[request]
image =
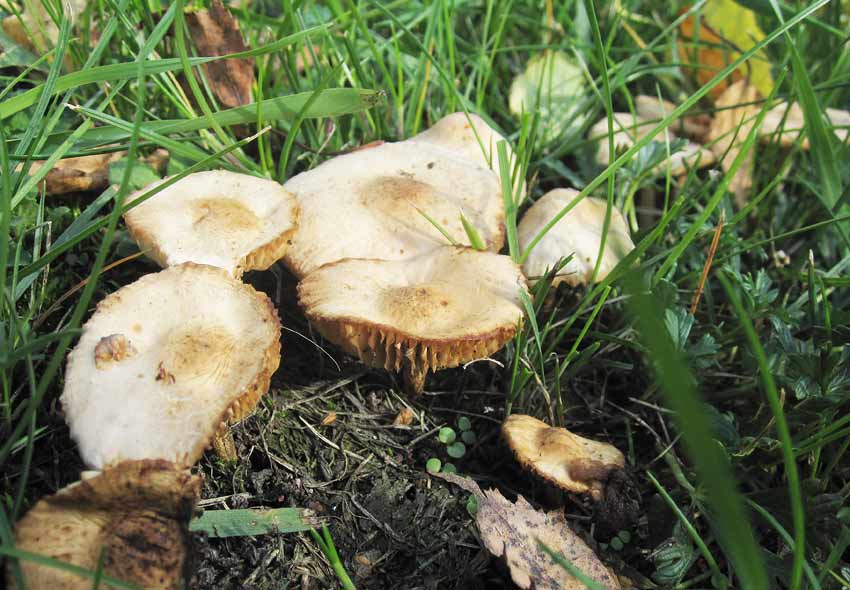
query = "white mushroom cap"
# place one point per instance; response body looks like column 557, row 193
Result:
column 472, row 137
column 166, row 362
column 234, row 221
column 439, row 310
column 369, row 204
column 136, row 513
column 786, row 121
column 629, row 129
column 578, row 233
column 654, row 108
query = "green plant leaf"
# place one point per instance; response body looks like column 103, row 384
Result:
column 252, row 521
column 446, row 435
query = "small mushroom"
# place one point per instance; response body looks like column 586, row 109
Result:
column 629, row 129
column 135, row 514
column 471, row 136
column 166, row 363
column 569, row 461
column 234, row 221
column 692, row 126
column 439, row 310
column 785, row 121
column 578, row 233
column 376, row 203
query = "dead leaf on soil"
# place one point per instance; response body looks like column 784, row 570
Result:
column 404, row 417
column 514, row 530
column 80, row 174
column 724, row 30
column 216, row 32
column 737, row 109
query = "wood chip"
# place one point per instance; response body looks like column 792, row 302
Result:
column 404, row 417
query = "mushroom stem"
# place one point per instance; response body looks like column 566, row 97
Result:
column 414, row 379
column 224, row 446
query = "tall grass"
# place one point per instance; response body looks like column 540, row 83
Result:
column 387, row 70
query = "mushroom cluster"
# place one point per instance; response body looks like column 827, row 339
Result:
column 379, row 240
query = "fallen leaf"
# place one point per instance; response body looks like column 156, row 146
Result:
column 35, row 30
column 737, row 109
column 692, row 126
column 725, row 30
column 329, row 418
column 70, row 175
column 514, row 531
column 554, row 86
column 216, row 32
column 404, row 417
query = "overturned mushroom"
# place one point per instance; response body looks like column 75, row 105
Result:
column 234, row 221
column 166, row 363
column 439, row 310
column 569, row 461
column 629, row 129
column 386, row 202
column 578, row 233
column 135, row 514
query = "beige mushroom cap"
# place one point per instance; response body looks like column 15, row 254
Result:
column 786, row 121
column 654, row 109
column 234, row 221
column 578, row 233
column 136, row 512
column 439, row 310
column 369, row 204
column 166, row 362
column 569, row 461
column 629, row 129
column 472, row 137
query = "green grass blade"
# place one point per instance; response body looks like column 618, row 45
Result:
column 730, row 519
column 795, row 490
column 252, row 522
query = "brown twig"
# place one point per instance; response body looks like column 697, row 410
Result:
column 709, row 260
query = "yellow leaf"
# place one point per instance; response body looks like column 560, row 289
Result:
column 724, row 30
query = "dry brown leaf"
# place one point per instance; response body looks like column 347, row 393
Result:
column 329, row 418
column 216, row 32
column 70, row 175
column 404, row 417
column 737, row 109
column 512, row 531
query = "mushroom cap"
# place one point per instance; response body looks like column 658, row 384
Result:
column 629, row 129
column 136, row 512
column 569, row 461
column 654, row 108
column 369, row 204
column 439, row 310
column 166, row 362
column 472, row 137
column 578, row 233
column 786, row 121
column 234, row 221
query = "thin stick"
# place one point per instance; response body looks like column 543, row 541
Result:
column 708, row 261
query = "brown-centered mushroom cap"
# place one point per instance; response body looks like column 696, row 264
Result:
column 439, row 310
column 234, row 221
column 472, row 137
column 578, row 233
column 569, row 461
column 135, row 512
column 376, row 203
column 167, row 362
